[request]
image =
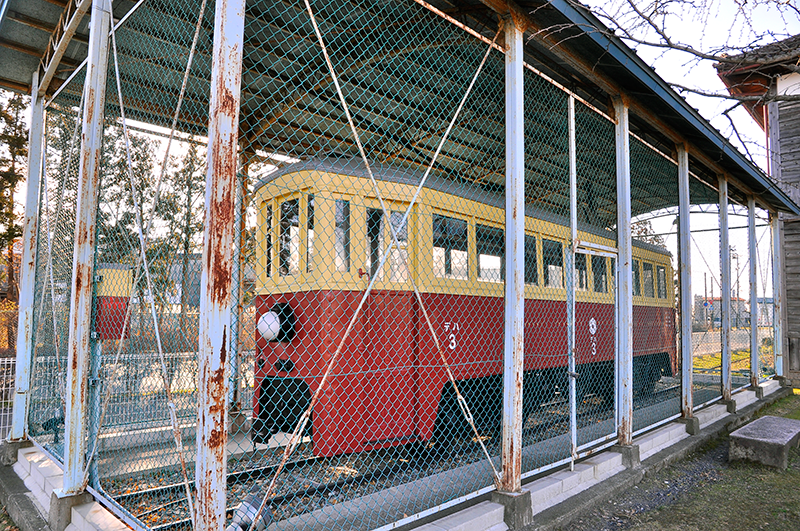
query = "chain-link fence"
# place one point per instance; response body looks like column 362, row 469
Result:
column 367, row 296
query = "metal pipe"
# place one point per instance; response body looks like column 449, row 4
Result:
column 94, row 410
column 237, row 275
column 685, row 258
column 725, row 287
column 218, row 241
column 513, row 352
column 753, row 248
column 624, row 358
column 777, row 291
column 80, row 312
column 573, row 227
column 27, row 281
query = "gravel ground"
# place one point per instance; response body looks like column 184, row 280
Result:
column 666, row 488
column 706, row 493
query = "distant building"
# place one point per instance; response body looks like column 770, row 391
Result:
column 707, row 312
column 766, row 305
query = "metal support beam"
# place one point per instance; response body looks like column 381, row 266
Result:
column 725, row 287
column 515, row 262
column 80, row 312
column 624, row 298
column 777, row 291
column 67, row 25
column 755, row 370
column 27, row 273
column 571, row 321
column 218, row 242
column 685, row 265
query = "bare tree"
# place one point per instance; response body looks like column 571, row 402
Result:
column 689, row 41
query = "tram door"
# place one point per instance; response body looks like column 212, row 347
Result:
column 391, row 387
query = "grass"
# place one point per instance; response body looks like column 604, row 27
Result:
column 742, row 495
column 6, row 524
column 740, row 361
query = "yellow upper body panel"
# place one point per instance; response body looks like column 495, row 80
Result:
column 322, row 230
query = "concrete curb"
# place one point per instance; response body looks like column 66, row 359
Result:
column 18, row 500
column 564, row 513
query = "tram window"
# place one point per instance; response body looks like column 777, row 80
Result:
column 268, row 237
column 661, row 281
column 531, row 267
column 289, row 256
column 310, row 223
column 491, row 253
column 375, row 239
column 599, row 273
column 647, row 273
column 553, row 262
column 450, row 259
column 581, row 282
column 342, row 232
column 637, row 282
column 398, row 266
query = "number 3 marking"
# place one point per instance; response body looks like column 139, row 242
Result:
column 452, row 338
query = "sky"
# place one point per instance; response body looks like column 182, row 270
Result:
column 713, row 26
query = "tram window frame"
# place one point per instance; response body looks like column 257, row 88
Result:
column 597, row 263
column 637, row 280
column 266, row 229
column 447, row 241
column 581, row 271
column 553, row 258
column 342, row 229
column 374, row 237
column 661, row 282
column 399, row 251
column 531, row 261
column 490, row 243
column 285, row 248
column 648, row 283
column 309, row 239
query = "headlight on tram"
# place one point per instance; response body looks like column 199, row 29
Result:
column 278, row 324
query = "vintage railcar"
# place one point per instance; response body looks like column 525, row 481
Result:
column 321, row 235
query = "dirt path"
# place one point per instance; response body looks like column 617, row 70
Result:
column 706, row 493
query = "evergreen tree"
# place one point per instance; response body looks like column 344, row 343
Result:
column 13, row 160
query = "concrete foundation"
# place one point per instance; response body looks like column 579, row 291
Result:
column 692, row 425
column 61, row 508
column 9, row 449
column 630, row 454
column 517, row 512
column 730, row 405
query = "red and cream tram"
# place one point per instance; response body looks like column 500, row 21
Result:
column 321, row 236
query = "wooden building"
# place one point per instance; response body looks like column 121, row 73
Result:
column 772, row 71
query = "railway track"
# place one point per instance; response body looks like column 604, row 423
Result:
column 171, row 498
column 315, row 490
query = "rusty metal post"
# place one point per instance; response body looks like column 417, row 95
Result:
column 27, row 272
column 753, row 249
column 80, row 312
column 218, row 241
column 778, row 292
column 725, row 287
column 685, row 265
column 624, row 358
column 515, row 263
column 570, row 277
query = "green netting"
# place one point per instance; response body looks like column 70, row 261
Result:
column 316, row 226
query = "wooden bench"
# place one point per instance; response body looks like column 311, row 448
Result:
column 766, row 440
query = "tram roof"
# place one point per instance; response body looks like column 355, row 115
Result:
column 26, row 25
column 465, row 190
